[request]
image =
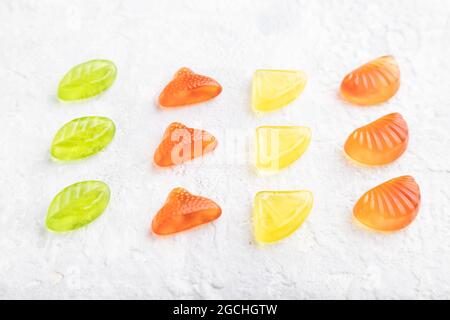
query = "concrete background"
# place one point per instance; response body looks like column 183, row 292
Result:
column 116, row 256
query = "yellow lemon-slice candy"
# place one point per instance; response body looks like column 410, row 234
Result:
column 277, row 214
column 273, row 89
column 279, row 146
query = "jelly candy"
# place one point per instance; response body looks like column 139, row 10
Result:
column 277, row 214
column 279, row 146
column 390, row 206
column 379, row 142
column 187, row 88
column 375, row 82
column 182, row 211
column 77, row 205
column 180, row 144
column 273, row 89
column 82, row 137
column 87, row 80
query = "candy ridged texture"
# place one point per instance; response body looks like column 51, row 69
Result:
column 87, row 80
column 181, row 144
column 277, row 214
column 77, row 205
column 375, row 82
column 389, row 206
column 182, row 211
column 279, row 146
column 188, row 88
column 82, row 137
column 379, row 142
column 274, row 89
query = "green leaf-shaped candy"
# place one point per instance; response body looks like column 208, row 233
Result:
column 87, row 80
column 77, row 205
column 82, row 137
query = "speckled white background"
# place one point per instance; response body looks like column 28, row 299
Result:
column 116, row 257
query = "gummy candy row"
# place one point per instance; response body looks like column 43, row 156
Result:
column 388, row 207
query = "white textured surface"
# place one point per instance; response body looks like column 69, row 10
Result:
column 116, row 257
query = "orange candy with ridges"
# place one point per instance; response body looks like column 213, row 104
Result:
column 181, row 144
column 374, row 82
column 188, row 88
column 182, row 211
column 390, row 206
column 379, row 142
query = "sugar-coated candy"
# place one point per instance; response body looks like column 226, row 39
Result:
column 279, row 146
column 188, row 88
column 277, row 214
column 77, row 205
column 374, row 82
column 182, row 211
column 82, row 137
column 273, row 89
column 389, row 206
column 87, row 80
column 180, row 144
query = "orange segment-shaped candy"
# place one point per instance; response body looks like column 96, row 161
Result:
column 379, row 142
column 390, row 206
column 183, row 211
column 375, row 82
column 181, row 144
column 187, row 88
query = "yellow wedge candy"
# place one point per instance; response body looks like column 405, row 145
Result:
column 277, row 214
column 279, row 146
column 273, row 89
